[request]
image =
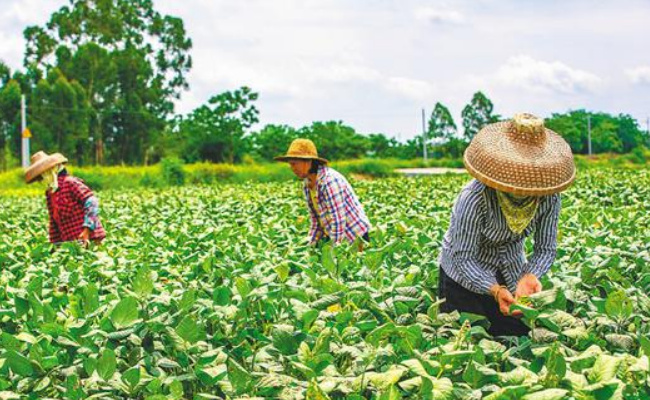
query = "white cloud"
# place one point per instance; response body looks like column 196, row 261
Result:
column 542, row 76
column 439, row 16
column 639, row 75
column 414, row 89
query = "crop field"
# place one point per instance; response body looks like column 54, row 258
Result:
column 212, row 293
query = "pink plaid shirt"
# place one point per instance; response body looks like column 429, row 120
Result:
column 339, row 210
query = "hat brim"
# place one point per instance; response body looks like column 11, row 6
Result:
column 33, row 173
column 539, row 169
column 516, row 189
column 287, row 158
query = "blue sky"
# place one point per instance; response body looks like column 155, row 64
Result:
column 375, row 63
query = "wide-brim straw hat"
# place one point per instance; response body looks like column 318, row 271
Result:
column 41, row 162
column 303, row 149
column 521, row 157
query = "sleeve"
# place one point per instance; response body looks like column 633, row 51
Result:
column 53, row 229
column 80, row 191
column 465, row 236
column 332, row 192
column 545, row 239
column 91, row 213
column 315, row 230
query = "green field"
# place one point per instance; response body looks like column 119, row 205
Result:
column 211, row 293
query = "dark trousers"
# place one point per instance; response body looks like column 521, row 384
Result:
column 463, row 300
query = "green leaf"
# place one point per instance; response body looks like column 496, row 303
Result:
column 392, row 393
column 125, row 313
column 187, row 300
column 90, row 298
column 243, row 286
column 508, row 393
column 107, row 364
column 176, row 390
column 222, row 296
column 477, row 375
column 211, row 375
column 604, row 369
column 380, row 333
column 239, row 378
column 286, row 340
column 645, row 345
column 189, row 330
column 548, row 394
column 19, row 363
column 618, row 305
column 314, row 392
column 328, row 260
column 143, row 282
column 283, row 271
column 131, row 377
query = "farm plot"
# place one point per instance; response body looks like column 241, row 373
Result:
column 212, row 293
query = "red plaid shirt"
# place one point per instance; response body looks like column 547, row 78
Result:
column 339, row 209
column 66, row 210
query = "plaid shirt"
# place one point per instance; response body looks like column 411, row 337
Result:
column 339, row 210
column 67, row 212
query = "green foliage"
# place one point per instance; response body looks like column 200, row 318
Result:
column 477, row 114
column 612, row 134
column 212, row 292
column 113, row 69
column 172, row 171
column 215, row 131
column 441, row 123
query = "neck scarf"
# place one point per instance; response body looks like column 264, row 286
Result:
column 518, row 211
column 51, row 177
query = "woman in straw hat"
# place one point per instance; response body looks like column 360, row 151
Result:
column 336, row 213
column 520, row 168
column 72, row 207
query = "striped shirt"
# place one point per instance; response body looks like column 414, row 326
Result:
column 338, row 210
column 479, row 244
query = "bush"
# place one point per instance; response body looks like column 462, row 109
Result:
column 172, row 171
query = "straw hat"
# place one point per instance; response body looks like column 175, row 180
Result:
column 521, row 157
column 41, row 162
column 302, row 149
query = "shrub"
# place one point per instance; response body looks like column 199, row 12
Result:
column 172, row 171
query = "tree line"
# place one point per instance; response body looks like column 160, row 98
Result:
column 101, row 78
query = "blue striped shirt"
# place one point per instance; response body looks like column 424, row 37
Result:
column 478, row 243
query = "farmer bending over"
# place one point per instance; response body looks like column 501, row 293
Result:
column 335, row 211
column 72, row 207
column 520, row 168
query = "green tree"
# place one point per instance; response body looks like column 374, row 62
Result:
column 609, row 133
column 441, row 123
column 477, row 114
column 335, row 140
column 130, row 60
column 215, row 131
column 10, row 94
column 272, row 140
column 59, row 116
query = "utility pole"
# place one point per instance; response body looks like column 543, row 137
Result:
column 589, row 133
column 424, row 137
column 25, row 133
column 647, row 125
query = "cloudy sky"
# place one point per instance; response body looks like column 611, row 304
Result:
column 375, row 63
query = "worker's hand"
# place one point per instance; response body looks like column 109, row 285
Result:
column 84, row 237
column 527, row 285
column 504, row 300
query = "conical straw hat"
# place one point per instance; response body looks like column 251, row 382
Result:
column 301, row 149
column 41, row 162
column 521, row 157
